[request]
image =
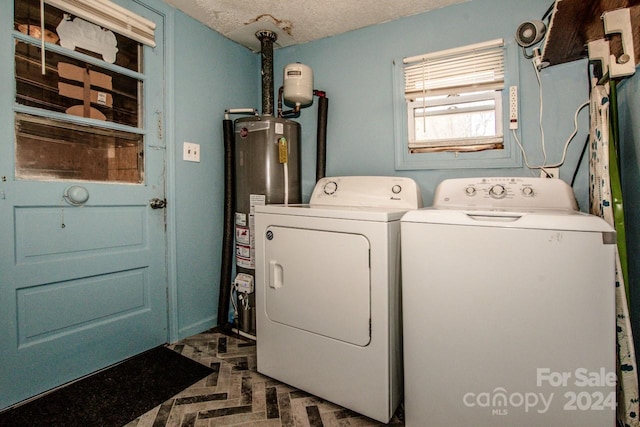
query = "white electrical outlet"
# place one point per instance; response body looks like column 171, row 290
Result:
column 513, row 107
column 550, row 173
column 191, row 152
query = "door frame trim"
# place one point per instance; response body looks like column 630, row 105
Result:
column 168, row 15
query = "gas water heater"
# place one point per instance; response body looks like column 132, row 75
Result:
column 267, row 171
column 267, row 165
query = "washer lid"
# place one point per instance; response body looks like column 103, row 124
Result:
column 337, row 212
column 543, row 219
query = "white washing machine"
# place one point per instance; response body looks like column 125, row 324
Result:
column 508, row 308
column 328, row 292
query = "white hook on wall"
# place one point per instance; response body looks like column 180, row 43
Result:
column 619, row 21
column 599, row 51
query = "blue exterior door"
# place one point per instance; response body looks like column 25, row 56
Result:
column 81, row 287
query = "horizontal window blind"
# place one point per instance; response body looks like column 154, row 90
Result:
column 111, row 16
column 467, row 69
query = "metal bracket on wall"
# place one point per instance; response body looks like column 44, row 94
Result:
column 615, row 21
column 619, row 21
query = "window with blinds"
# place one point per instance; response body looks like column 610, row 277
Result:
column 454, row 99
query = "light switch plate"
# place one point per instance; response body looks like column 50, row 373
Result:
column 191, row 152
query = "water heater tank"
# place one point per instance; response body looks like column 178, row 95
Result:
column 298, row 84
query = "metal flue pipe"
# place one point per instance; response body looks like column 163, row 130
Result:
column 267, row 38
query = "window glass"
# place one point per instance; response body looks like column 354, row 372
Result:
column 75, row 87
column 465, row 119
column 53, row 149
column 454, row 98
column 59, row 134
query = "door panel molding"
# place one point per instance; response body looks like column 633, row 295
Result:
column 47, row 311
column 58, row 233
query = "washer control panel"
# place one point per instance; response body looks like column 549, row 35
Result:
column 505, row 192
column 367, row 191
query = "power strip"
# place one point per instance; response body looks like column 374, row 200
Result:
column 513, row 107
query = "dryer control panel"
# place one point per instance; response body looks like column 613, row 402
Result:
column 505, row 192
column 367, row 191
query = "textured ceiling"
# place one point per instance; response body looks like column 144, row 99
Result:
column 298, row 21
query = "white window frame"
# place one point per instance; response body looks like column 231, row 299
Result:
column 481, row 153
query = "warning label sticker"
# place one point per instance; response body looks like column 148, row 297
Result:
column 243, row 235
column 241, row 219
column 243, row 256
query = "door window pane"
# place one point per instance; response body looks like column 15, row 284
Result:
column 75, row 87
column 51, row 149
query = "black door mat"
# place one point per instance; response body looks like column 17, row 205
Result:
column 114, row 396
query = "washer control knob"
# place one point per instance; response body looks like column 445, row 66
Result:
column 330, row 187
column 470, row 191
column 527, row 192
column 498, row 191
column 396, row 189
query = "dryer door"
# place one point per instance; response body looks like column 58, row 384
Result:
column 319, row 281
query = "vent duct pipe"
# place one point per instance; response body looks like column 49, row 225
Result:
column 228, row 234
column 267, row 38
column 321, row 135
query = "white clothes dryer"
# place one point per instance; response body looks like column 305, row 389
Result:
column 328, row 292
column 508, row 308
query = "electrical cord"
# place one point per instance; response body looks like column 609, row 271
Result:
column 544, row 149
column 234, row 295
column 548, row 12
column 524, row 153
column 564, row 151
column 580, row 159
column 592, row 70
column 544, row 165
column 575, row 131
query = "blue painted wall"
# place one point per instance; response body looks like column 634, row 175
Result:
column 211, row 74
column 355, row 69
